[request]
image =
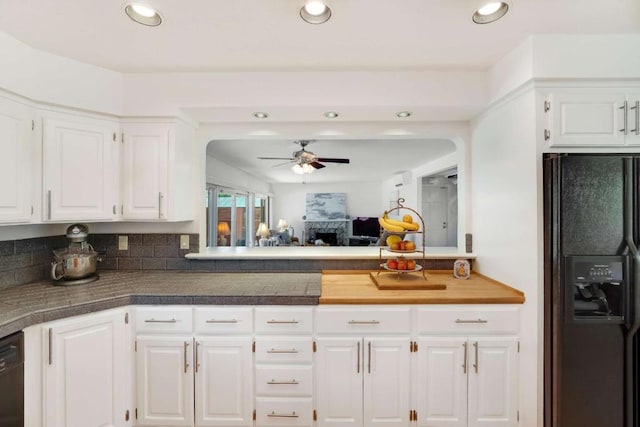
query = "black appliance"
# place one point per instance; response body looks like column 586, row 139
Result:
column 591, row 291
column 12, row 381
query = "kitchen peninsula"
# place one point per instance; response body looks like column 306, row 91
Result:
column 179, row 328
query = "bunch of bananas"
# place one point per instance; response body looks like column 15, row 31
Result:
column 396, row 226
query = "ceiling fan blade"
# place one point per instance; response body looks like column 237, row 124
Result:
column 317, row 165
column 276, row 158
column 331, row 160
column 282, row 164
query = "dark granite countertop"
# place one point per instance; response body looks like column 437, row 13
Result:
column 30, row 304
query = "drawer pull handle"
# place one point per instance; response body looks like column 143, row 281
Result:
column 223, row 321
column 274, row 382
column 160, row 321
column 273, row 350
column 364, row 322
column 291, row 415
column 472, row 321
column 273, row 321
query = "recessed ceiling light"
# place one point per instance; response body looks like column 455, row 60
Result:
column 403, row 114
column 331, row 114
column 143, row 14
column 490, row 12
column 260, row 115
column 315, row 12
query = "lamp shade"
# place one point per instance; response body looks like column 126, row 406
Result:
column 223, row 228
column 263, row 230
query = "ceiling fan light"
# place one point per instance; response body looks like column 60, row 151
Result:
column 307, row 168
column 143, row 14
column 297, row 169
column 490, row 12
column 315, row 12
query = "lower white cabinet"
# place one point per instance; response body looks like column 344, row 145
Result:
column 85, row 371
column 164, row 380
column 194, row 366
column 223, row 381
column 363, row 381
column 243, row 366
column 283, row 358
column 467, row 380
column 363, row 366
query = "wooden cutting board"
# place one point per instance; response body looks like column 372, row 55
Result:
column 388, row 280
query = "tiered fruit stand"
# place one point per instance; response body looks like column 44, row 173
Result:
column 386, row 252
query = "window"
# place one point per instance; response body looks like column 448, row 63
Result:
column 233, row 216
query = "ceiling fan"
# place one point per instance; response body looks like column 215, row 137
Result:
column 304, row 157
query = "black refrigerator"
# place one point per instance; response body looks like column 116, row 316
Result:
column 591, row 292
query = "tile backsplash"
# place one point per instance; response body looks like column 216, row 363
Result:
column 29, row 260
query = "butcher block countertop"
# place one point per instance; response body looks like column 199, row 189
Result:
column 356, row 287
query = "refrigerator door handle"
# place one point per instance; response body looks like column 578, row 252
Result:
column 633, row 291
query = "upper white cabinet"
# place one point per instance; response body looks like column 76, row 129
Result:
column 80, row 165
column 86, row 371
column 17, row 169
column 157, row 172
column 592, row 117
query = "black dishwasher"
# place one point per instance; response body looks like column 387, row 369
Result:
column 12, row 381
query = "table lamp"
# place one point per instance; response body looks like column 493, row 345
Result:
column 223, row 230
column 263, row 232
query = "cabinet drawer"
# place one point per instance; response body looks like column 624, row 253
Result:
column 164, row 319
column 284, row 412
column 284, row 380
column 357, row 320
column 289, row 350
column 223, row 320
column 468, row 320
column 283, row 319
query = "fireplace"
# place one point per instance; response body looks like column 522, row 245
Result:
column 334, row 232
column 330, row 238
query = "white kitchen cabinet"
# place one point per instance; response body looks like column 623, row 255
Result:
column 157, row 172
column 493, row 382
column 164, row 380
column 17, row 168
column 86, row 371
column 593, row 117
column 363, row 380
column 80, row 168
column 466, row 367
column 194, row 366
column 442, row 390
column 284, row 364
column 223, row 381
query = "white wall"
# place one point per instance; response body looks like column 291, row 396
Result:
column 507, row 212
column 363, row 199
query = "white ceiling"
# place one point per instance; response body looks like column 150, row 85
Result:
column 371, row 160
column 212, row 35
